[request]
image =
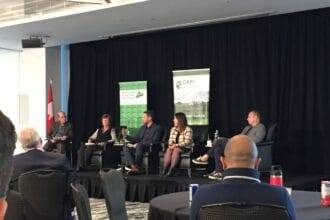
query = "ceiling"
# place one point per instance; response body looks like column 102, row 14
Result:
column 100, row 21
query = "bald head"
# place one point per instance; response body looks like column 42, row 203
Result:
column 240, row 151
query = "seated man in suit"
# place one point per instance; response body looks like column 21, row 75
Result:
column 35, row 158
column 149, row 133
column 241, row 181
column 255, row 130
column 7, row 146
column 60, row 134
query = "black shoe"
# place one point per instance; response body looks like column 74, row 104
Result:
column 171, row 172
column 164, row 172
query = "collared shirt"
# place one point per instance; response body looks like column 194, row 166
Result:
column 146, row 135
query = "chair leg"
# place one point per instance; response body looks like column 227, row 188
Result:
column 189, row 172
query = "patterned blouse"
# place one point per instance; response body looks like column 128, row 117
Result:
column 183, row 139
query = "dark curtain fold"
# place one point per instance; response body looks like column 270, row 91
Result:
column 279, row 65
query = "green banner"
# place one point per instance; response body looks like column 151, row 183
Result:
column 191, row 94
column 133, row 102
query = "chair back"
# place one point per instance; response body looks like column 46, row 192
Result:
column 271, row 132
column 81, row 201
column 15, row 210
column 44, row 193
column 114, row 190
column 236, row 211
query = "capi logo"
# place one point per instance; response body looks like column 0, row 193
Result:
column 181, row 83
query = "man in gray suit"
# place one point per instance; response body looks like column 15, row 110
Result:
column 255, row 130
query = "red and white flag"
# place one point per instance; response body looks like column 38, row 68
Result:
column 50, row 109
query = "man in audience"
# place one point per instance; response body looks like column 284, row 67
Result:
column 7, row 146
column 241, row 182
column 60, row 135
column 255, row 130
column 35, row 158
column 149, row 133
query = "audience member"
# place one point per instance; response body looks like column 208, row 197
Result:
column 241, row 182
column 35, row 158
column 7, row 146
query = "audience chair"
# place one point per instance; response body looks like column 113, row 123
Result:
column 81, row 200
column 15, row 210
column 237, row 211
column 114, row 190
column 44, row 193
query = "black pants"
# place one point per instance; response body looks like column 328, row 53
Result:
column 217, row 150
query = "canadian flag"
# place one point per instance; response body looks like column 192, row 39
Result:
column 50, row 109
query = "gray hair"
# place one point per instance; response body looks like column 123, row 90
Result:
column 29, row 138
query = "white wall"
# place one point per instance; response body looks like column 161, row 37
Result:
column 23, row 89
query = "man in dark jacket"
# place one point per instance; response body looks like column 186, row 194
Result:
column 149, row 133
column 60, row 135
column 241, row 182
column 35, row 159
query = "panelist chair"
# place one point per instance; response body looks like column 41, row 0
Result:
column 265, row 148
column 238, row 211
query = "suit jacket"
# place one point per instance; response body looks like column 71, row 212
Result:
column 147, row 135
column 39, row 160
column 241, row 185
column 256, row 133
column 67, row 130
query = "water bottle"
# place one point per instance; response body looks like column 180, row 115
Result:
column 276, row 176
column 192, row 191
column 216, row 135
column 113, row 135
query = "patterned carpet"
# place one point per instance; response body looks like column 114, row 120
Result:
column 135, row 210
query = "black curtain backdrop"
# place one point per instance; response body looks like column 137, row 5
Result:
column 279, row 65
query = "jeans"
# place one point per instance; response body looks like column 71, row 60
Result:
column 216, row 151
column 134, row 156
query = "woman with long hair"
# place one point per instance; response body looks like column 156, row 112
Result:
column 180, row 141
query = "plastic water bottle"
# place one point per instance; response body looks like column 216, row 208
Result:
column 276, row 176
column 113, row 135
column 216, row 135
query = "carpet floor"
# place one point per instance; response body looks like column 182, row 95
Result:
column 135, row 210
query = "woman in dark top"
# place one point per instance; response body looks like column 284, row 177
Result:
column 102, row 135
column 180, row 141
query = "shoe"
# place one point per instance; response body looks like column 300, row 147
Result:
column 128, row 168
column 164, row 172
column 171, row 172
column 215, row 175
column 134, row 169
column 199, row 161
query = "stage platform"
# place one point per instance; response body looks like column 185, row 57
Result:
column 143, row 188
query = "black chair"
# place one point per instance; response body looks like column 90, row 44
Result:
column 265, row 149
column 44, row 194
column 236, row 211
column 114, row 190
column 15, row 210
column 81, row 200
column 200, row 135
